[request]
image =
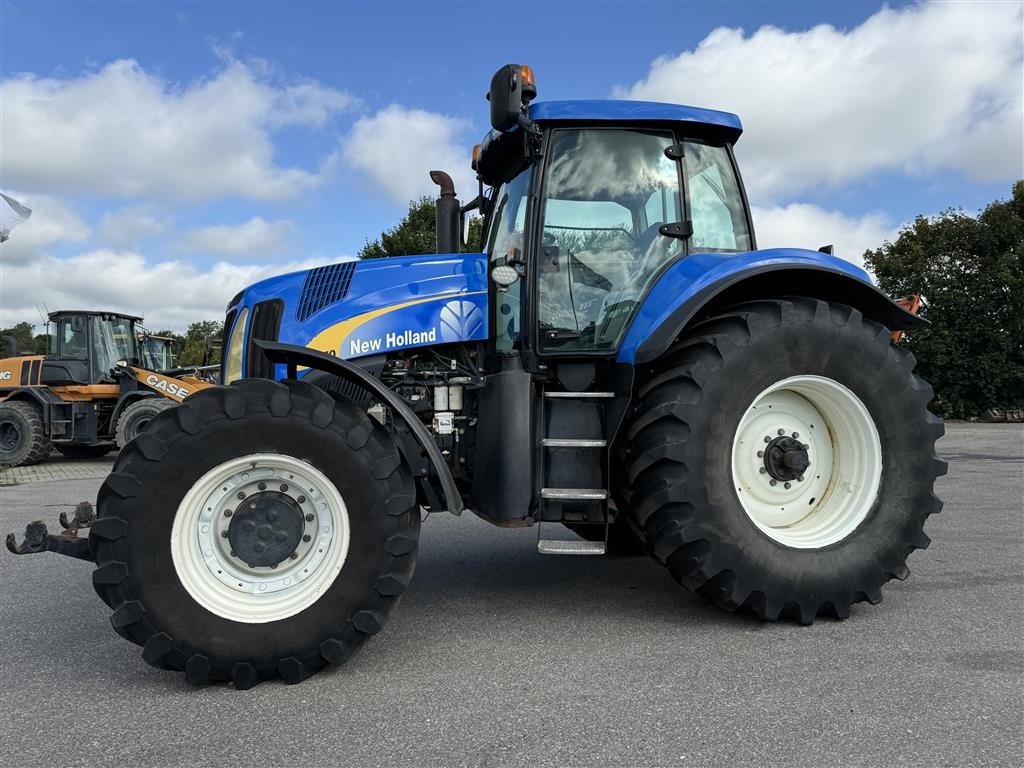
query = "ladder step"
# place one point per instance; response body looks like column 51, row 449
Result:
column 562, row 494
column 559, row 547
column 578, row 394
column 572, row 442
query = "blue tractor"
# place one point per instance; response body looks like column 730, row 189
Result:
column 620, row 360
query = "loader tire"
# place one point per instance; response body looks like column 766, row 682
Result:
column 747, row 514
column 85, row 451
column 23, row 439
column 136, row 416
column 165, row 548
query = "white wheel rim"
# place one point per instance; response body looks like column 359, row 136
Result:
column 232, row 589
column 839, row 486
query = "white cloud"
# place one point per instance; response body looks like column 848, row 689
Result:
column 253, row 238
column 397, row 147
column 924, row 87
column 51, row 222
column 126, row 132
column 127, row 227
column 169, row 294
column 800, row 225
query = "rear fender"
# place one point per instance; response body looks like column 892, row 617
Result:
column 295, row 356
column 701, row 284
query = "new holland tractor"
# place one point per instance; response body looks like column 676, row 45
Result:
column 620, row 360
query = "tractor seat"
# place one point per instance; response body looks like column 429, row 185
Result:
column 62, row 373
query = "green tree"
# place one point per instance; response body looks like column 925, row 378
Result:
column 416, row 233
column 195, row 341
column 969, row 272
column 24, row 334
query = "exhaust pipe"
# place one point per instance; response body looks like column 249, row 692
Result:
column 448, row 221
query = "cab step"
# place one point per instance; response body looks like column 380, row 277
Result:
column 572, row 442
column 560, row 547
column 574, row 494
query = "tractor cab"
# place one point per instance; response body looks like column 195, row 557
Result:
column 86, row 346
column 157, row 351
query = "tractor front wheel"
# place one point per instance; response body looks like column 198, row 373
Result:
column 256, row 531
column 23, row 440
column 782, row 457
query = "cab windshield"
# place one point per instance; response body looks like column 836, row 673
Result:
column 113, row 339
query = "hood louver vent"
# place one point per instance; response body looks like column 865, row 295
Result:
column 323, row 287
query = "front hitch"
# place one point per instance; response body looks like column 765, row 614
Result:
column 67, row 542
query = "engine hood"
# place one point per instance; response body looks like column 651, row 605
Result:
column 359, row 308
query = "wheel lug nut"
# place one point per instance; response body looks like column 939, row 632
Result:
column 274, row 565
column 307, row 537
column 233, row 553
column 294, row 555
column 800, row 479
column 284, row 487
column 241, row 494
column 782, row 432
column 796, row 435
column 253, row 505
column 760, row 454
column 762, row 470
column 262, row 486
column 309, row 518
column 223, row 534
column 787, row 485
column 767, row 439
column 773, row 482
column 301, row 499
column 228, row 513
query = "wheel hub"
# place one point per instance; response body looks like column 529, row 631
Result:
column 786, row 459
column 10, row 436
column 265, row 529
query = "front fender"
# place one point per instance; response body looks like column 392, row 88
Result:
column 294, row 356
column 710, row 280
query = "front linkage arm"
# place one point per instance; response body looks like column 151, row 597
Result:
column 67, row 542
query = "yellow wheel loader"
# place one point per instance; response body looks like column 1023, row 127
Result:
column 89, row 395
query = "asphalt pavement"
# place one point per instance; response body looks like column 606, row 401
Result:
column 499, row 656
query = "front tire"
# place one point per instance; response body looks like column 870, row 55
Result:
column 136, row 416
column 750, row 515
column 180, row 546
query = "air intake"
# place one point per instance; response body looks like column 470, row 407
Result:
column 323, row 287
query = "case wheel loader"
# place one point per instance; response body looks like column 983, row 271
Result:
column 91, row 394
column 620, row 359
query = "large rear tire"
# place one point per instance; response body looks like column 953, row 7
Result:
column 180, row 547
column 750, row 515
column 23, row 440
column 136, row 416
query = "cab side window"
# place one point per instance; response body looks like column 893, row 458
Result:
column 716, row 205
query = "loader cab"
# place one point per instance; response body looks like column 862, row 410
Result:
column 588, row 203
column 87, row 345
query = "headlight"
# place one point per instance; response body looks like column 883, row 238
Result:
column 233, row 358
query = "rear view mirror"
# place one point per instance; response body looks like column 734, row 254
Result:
column 511, row 87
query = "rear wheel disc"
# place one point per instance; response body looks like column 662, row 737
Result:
column 218, row 578
column 807, row 462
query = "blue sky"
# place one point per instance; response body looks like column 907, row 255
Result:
column 172, row 151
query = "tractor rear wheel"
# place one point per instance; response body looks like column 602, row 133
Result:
column 782, row 457
column 136, row 416
column 256, row 531
column 23, row 439
column 85, row 451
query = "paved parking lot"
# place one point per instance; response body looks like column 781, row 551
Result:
column 500, row 656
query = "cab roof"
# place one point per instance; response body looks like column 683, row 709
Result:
column 608, row 110
column 101, row 313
